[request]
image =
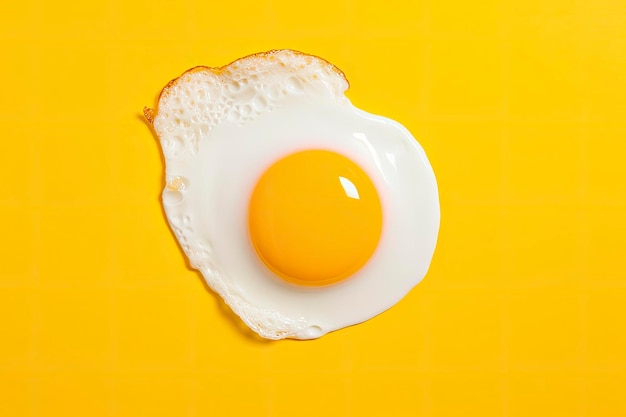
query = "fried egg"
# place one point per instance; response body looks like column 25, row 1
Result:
column 304, row 213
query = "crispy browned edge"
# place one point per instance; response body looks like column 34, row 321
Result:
column 150, row 114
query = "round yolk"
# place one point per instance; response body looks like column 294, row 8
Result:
column 314, row 218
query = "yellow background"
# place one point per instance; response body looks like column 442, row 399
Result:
column 521, row 108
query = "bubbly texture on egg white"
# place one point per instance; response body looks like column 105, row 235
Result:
column 202, row 98
column 221, row 128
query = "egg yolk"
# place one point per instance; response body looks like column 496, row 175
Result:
column 314, row 218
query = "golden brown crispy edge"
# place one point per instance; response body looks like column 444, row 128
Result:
column 150, row 114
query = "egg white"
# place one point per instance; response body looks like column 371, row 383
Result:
column 215, row 155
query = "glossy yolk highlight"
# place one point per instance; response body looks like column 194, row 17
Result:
column 315, row 218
